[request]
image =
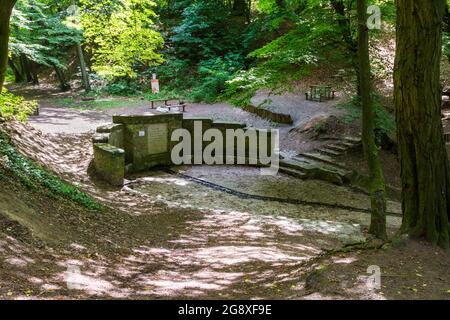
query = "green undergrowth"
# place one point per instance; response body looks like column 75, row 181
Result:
column 15, row 107
column 98, row 104
column 167, row 94
column 35, row 177
column 384, row 121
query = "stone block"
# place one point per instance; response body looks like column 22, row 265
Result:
column 109, row 163
column 100, row 138
column 110, row 127
column 147, row 118
column 147, row 139
column 116, row 138
column 223, row 125
column 188, row 123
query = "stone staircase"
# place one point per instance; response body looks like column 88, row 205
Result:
column 321, row 163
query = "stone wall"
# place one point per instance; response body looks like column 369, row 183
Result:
column 269, row 115
column 144, row 141
column 223, row 126
column 147, row 139
column 109, row 163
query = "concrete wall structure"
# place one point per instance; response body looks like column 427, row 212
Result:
column 144, row 142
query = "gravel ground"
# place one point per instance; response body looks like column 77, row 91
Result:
column 300, row 109
column 170, row 238
column 56, row 117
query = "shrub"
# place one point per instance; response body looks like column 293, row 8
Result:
column 384, row 121
column 123, row 88
column 15, row 107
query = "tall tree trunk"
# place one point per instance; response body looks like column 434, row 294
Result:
column 84, row 73
column 83, row 69
column 17, row 74
column 33, row 72
column 25, row 65
column 345, row 27
column 6, row 7
column 62, row 79
column 377, row 186
column 423, row 156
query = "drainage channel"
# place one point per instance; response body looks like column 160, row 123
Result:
column 243, row 195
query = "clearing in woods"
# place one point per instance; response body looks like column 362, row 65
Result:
column 165, row 235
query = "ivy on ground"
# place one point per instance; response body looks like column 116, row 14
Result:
column 34, row 177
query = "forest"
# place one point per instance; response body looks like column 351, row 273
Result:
column 335, row 183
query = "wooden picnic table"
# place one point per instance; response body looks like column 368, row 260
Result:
column 320, row 93
column 166, row 102
column 179, row 106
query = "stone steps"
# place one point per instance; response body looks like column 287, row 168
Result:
column 355, row 140
column 321, row 164
column 329, row 152
column 316, row 170
column 346, row 144
column 293, row 173
column 337, row 147
column 321, row 158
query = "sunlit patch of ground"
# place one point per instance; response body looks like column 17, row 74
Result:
column 168, row 237
column 173, row 238
column 342, row 224
column 408, row 270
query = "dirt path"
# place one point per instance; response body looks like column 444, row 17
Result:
column 173, row 238
column 66, row 113
column 296, row 105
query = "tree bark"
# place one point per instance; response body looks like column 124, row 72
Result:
column 345, row 27
column 25, row 65
column 84, row 73
column 33, row 72
column 83, row 69
column 417, row 94
column 18, row 78
column 62, row 79
column 377, row 186
column 6, row 7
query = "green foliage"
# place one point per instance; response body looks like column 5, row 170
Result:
column 35, row 177
column 15, row 107
column 446, row 44
column 166, row 94
column 205, row 32
column 215, row 72
column 384, row 121
column 204, row 50
column 9, row 77
column 243, row 86
column 123, row 88
column 388, row 10
column 41, row 35
column 176, row 74
column 122, row 36
column 207, row 47
column 99, row 103
column 291, row 56
column 204, row 83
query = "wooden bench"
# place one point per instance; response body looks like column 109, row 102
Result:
column 179, row 106
column 320, row 93
column 166, row 102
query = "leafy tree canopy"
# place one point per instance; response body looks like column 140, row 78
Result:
column 121, row 36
